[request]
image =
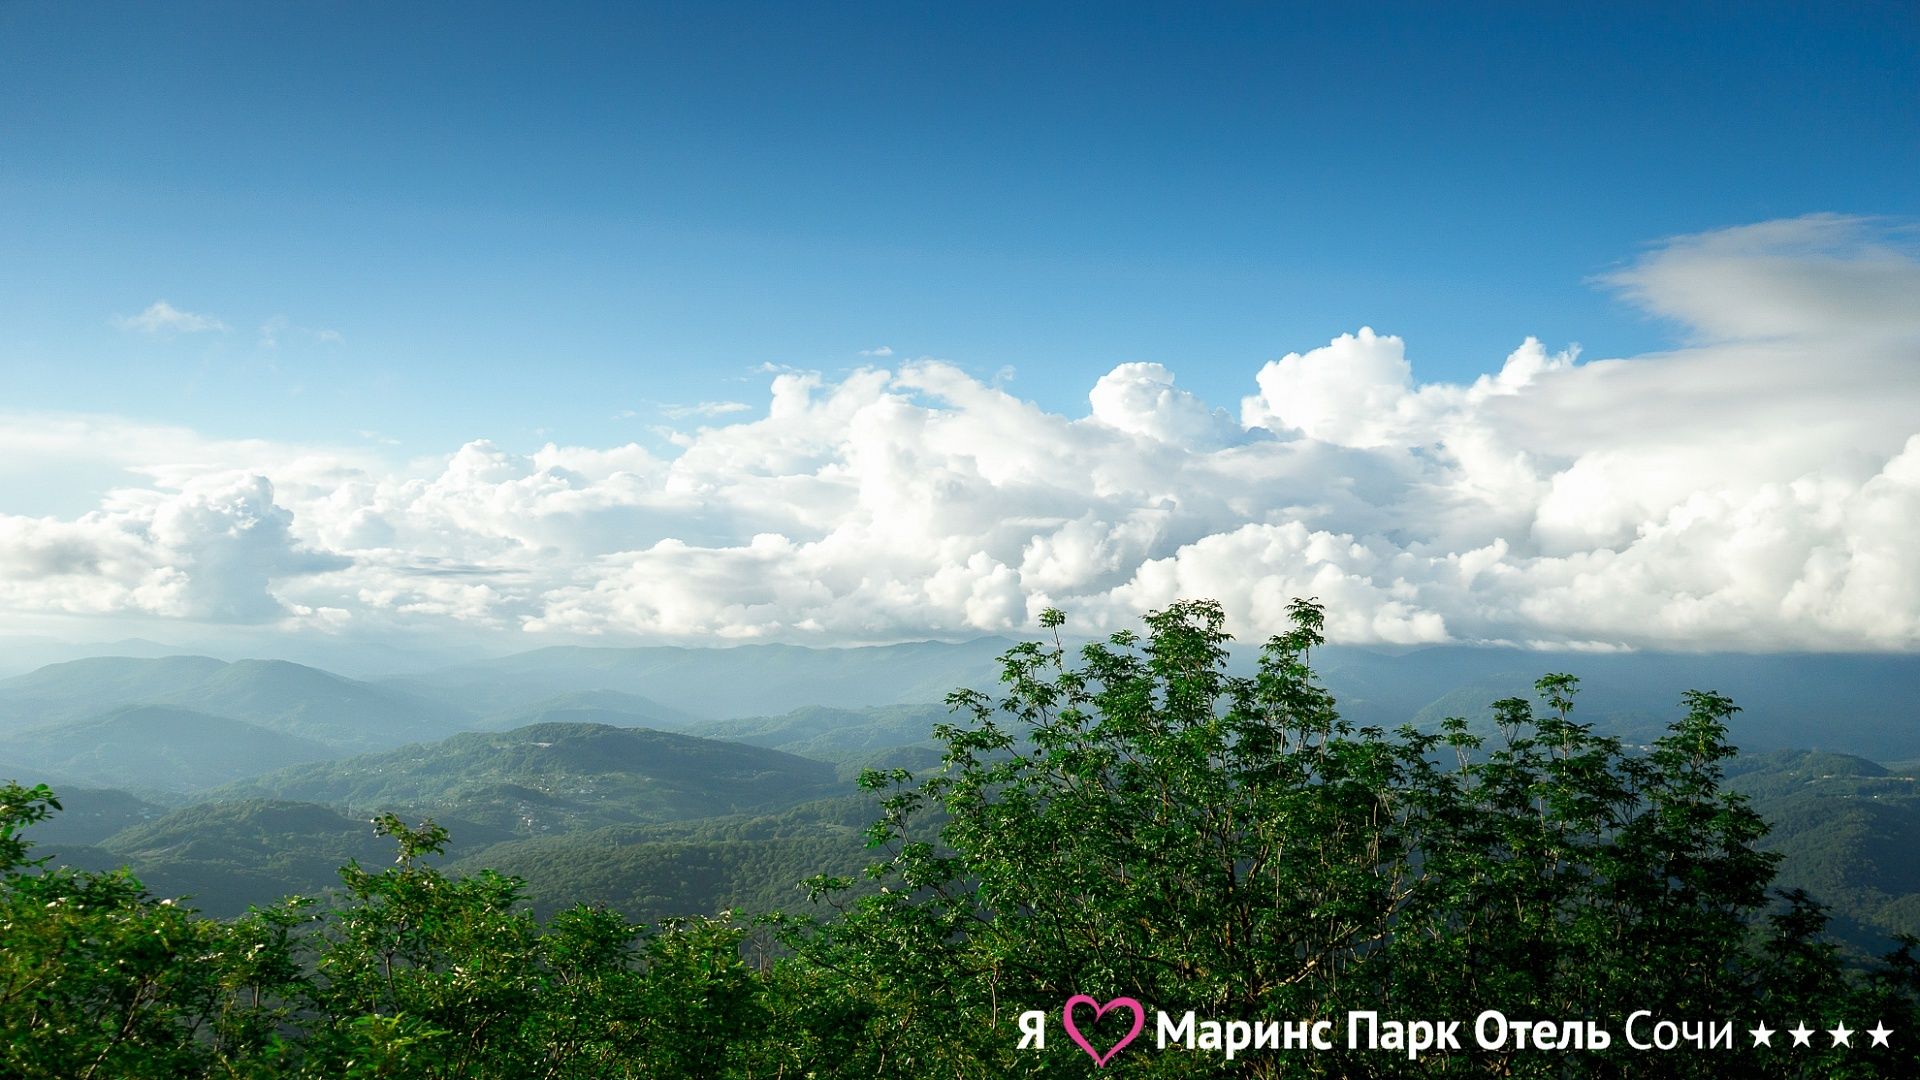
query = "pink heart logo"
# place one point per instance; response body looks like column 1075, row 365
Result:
column 1099, row 1059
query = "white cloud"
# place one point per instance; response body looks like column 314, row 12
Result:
column 1140, row 399
column 1354, row 392
column 1806, row 277
column 163, row 318
column 705, row 409
column 207, row 552
column 1756, row 489
column 879, row 351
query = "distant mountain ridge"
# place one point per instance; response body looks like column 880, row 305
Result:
column 819, row 702
column 75, row 688
column 1864, row 704
column 25, row 653
column 825, row 733
column 617, row 708
column 277, row 695
column 617, row 765
column 742, row 680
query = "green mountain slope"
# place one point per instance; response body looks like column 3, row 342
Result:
column 1844, row 827
column 748, row 863
column 557, row 777
column 226, row 856
column 90, row 815
column 156, row 747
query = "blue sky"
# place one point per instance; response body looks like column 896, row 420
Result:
column 294, row 299
column 520, row 223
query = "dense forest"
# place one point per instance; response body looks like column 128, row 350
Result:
column 1133, row 819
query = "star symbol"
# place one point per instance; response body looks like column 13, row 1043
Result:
column 1762, row 1035
column 1801, row 1034
column 1841, row 1036
column 1880, row 1031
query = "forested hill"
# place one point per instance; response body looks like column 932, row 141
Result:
column 555, row 777
column 162, row 746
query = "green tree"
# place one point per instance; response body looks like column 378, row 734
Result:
column 1145, row 823
column 100, row 979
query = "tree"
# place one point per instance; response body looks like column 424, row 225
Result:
column 1144, row 823
column 99, row 979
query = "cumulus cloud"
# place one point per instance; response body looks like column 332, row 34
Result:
column 207, row 552
column 878, row 351
column 1141, row 399
column 163, row 318
column 1358, row 391
column 1757, row 489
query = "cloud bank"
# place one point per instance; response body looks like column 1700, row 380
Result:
column 1758, row 488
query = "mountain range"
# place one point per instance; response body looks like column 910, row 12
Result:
column 672, row 780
